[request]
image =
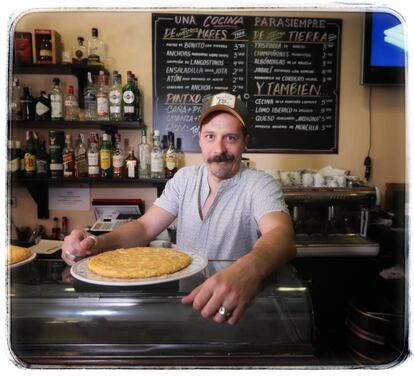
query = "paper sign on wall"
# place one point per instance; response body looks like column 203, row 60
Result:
column 69, row 198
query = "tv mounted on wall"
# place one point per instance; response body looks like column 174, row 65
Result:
column 384, row 50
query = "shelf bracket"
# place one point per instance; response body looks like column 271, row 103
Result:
column 40, row 194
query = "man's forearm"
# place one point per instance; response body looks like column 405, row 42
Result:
column 132, row 234
column 271, row 251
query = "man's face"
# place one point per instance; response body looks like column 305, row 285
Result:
column 222, row 143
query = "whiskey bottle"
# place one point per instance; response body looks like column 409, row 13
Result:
column 27, row 105
column 45, row 49
column 42, row 160
column 56, row 229
column 157, row 165
column 56, row 101
column 89, row 100
column 170, row 158
column 131, row 165
column 115, row 99
column 13, row 159
column 68, row 158
column 65, row 228
column 96, row 49
column 102, row 100
column 56, row 144
column 144, row 156
column 30, row 155
column 42, row 107
column 20, row 154
column 118, row 158
column 81, row 162
column 93, row 156
column 180, row 154
column 80, row 54
column 71, row 105
column 105, row 156
column 15, row 105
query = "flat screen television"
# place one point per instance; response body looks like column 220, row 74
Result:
column 384, row 50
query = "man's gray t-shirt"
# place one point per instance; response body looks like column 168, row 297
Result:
column 230, row 227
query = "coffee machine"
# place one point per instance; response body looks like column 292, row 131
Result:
column 332, row 221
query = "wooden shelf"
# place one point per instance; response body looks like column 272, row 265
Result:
column 80, row 71
column 63, row 69
column 28, row 180
column 39, row 187
column 81, row 124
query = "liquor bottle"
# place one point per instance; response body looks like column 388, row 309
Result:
column 68, row 158
column 89, row 100
column 27, row 105
column 102, row 95
column 115, row 99
column 65, row 228
column 118, row 158
column 45, row 49
column 164, row 144
column 56, row 144
column 180, row 154
column 138, row 114
column 71, row 105
column 42, row 107
column 42, row 160
column 15, row 105
column 131, row 165
column 93, row 156
column 96, row 49
column 157, row 165
column 30, row 155
column 10, row 154
column 55, row 229
column 56, row 101
column 129, row 99
column 81, row 161
column 144, row 156
column 20, row 154
column 170, row 158
column 105, row 156
column 13, row 159
column 79, row 54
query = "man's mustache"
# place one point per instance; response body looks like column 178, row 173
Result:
column 221, row 158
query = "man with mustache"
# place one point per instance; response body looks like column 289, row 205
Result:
column 223, row 210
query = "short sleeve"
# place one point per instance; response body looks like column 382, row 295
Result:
column 171, row 196
column 267, row 196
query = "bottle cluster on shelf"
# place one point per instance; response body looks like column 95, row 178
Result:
column 98, row 157
column 47, row 48
column 102, row 101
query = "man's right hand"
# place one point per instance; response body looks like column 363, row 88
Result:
column 78, row 245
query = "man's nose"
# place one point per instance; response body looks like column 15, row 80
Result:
column 219, row 146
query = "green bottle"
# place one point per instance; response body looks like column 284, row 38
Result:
column 129, row 99
column 105, row 156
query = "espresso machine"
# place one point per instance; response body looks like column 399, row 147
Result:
column 332, row 221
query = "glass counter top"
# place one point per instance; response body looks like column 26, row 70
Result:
column 55, row 319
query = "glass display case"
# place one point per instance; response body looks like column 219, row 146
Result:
column 57, row 320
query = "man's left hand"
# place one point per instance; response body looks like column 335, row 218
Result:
column 232, row 288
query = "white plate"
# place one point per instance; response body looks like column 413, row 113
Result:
column 23, row 262
column 80, row 271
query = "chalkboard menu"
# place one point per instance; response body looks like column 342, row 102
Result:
column 286, row 69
